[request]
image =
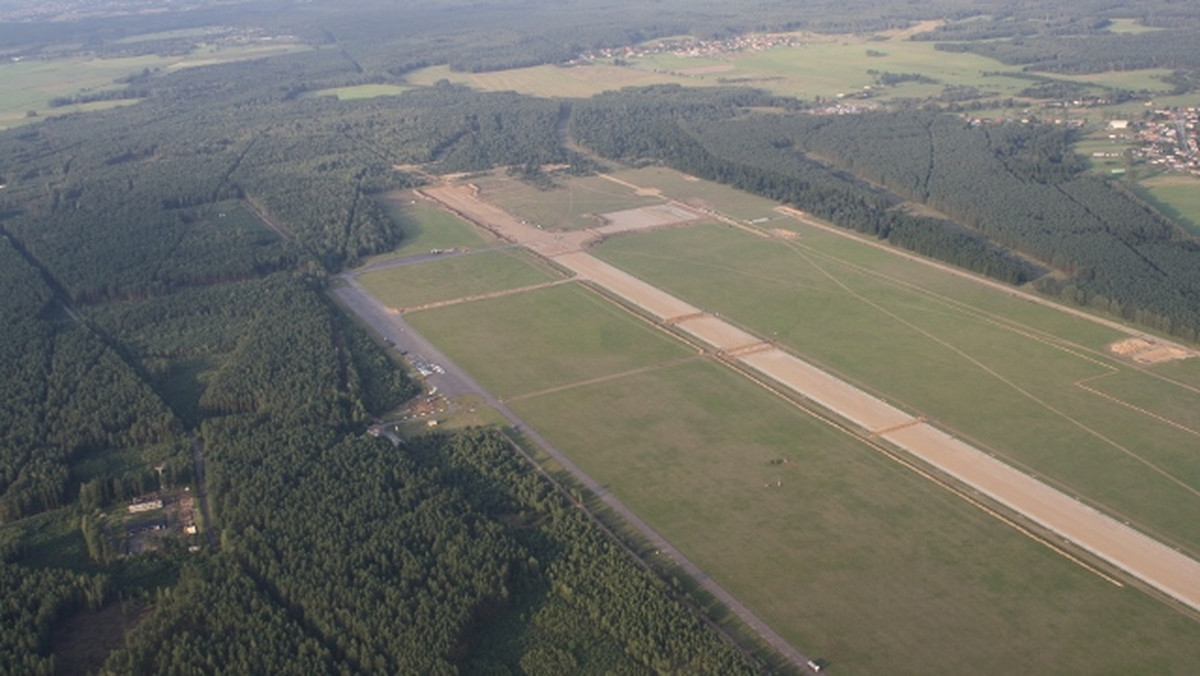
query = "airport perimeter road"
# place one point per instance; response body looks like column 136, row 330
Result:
column 1143, row 557
column 454, row 381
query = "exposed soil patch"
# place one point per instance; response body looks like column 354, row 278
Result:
column 1149, row 351
column 645, row 217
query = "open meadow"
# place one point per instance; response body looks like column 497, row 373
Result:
column 540, row 340
column 551, row 81
column 818, row 66
column 424, row 227
column 826, row 539
column 1043, row 397
column 575, row 203
column 356, row 92
column 737, row 204
column 822, row 535
column 29, row 84
column 826, row 66
column 456, row 276
column 1176, row 195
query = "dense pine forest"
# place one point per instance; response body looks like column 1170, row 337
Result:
column 166, row 266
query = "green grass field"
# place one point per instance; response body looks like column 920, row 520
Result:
column 456, row 277
column 1006, row 382
column 824, row 66
column 1130, row 26
column 426, row 227
column 531, row 342
column 30, row 84
column 1177, row 196
column 850, row 556
column 551, row 81
column 830, row 65
column 356, row 92
column 178, row 34
column 572, row 206
column 1133, row 80
column 1098, row 151
column 704, row 194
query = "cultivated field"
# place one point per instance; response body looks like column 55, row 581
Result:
column 30, row 84
column 575, row 205
column 454, row 277
column 823, row 65
column 357, row 92
column 551, row 81
column 1029, row 393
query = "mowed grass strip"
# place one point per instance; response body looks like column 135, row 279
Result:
column 737, row 204
column 573, row 205
column 849, row 555
column 456, row 277
column 544, row 339
column 425, row 226
column 1006, row 386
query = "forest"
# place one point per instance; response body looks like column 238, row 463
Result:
column 1009, row 193
column 166, row 266
column 705, row 133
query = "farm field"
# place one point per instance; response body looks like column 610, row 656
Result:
column 1176, row 195
column 356, row 92
column 697, row 449
column 1006, row 386
column 1130, row 26
column 573, row 205
column 456, row 277
column 30, row 84
column 823, row 66
column 551, row 81
column 1149, row 79
column 426, row 227
column 539, row 340
column 826, row 66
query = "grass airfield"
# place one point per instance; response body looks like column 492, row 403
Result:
column 847, row 553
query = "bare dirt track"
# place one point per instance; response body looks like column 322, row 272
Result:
column 1159, row 566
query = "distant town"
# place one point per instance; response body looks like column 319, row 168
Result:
column 1167, row 138
column 694, row 47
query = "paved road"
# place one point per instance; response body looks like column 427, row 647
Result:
column 456, row 382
